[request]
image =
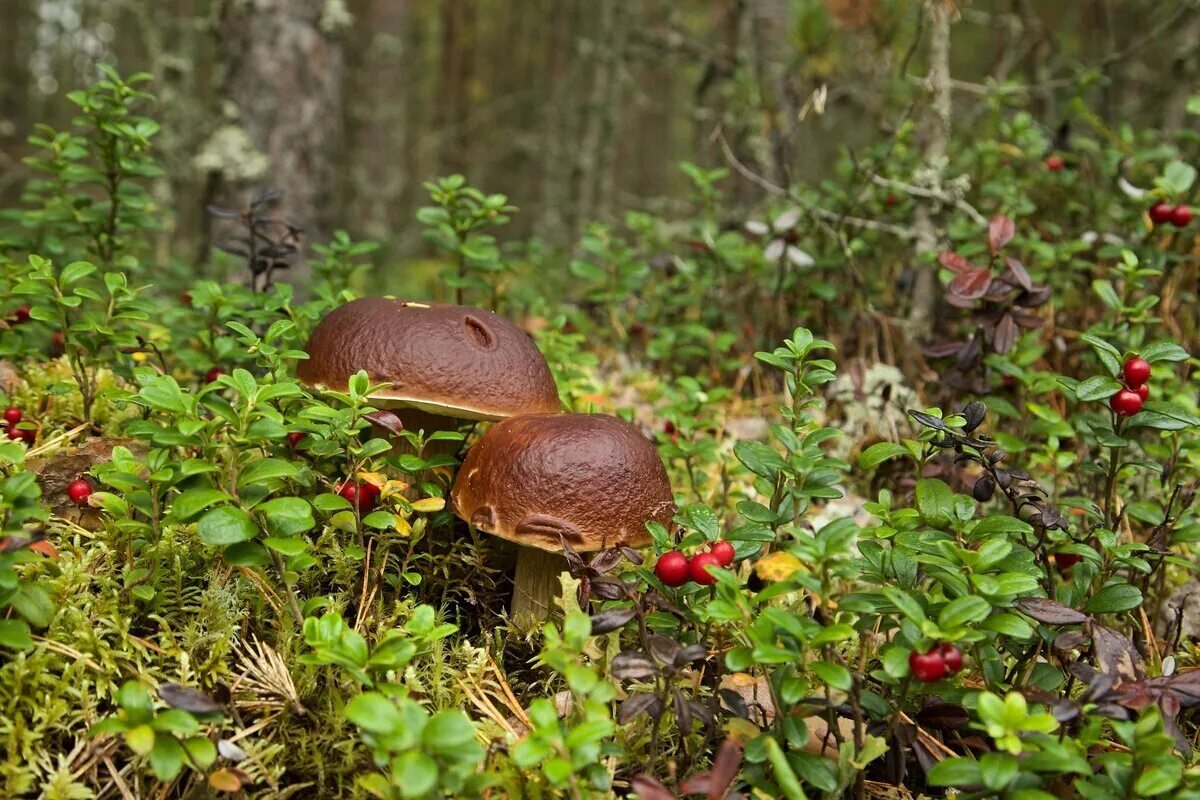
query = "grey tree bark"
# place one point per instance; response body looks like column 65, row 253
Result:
column 937, row 135
column 281, row 84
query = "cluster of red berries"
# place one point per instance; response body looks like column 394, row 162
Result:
column 1162, row 213
column 12, row 416
column 1129, row 400
column 362, row 496
column 79, row 491
column 675, row 569
column 938, row 662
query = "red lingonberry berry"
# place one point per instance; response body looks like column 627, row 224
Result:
column 698, row 568
column 1160, row 213
column 952, row 657
column 1143, row 392
column 1136, row 371
column 79, row 491
column 1055, row 163
column 1126, row 402
column 27, row 435
column 361, row 495
column 927, row 667
column 213, row 374
column 20, row 315
column 1181, row 216
column 1064, row 561
column 295, row 437
column 672, row 568
column 12, row 415
column 724, row 552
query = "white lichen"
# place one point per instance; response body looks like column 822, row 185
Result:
column 230, row 152
column 335, row 17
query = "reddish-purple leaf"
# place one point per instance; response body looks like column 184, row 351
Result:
column 611, row 620
column 1050, row 612
column 700, row 783
column 1019, row 274
column 954, row 262
column 386, row 420
column 1006, row 334
column 943, row 716
column 1116, row 655
column 639, row 702
column 1000, row 232
column 972, row 284
column 1070, row 640
column 1029, row 321
column 725, row 768
column 633, row 666
column 648, row 788
column 942, row 349
column 187, row 699
column 959, row 302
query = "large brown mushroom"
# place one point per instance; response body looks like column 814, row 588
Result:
column 590, row 480
column 443, row 362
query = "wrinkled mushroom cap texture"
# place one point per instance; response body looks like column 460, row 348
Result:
column 449, row 360
column 591, row 479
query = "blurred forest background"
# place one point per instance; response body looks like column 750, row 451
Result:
column 576, row 109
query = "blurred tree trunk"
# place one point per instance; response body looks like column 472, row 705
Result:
column 14, row 92
column 457, row 72
column 769, row 22
column 282, row 85
column 561, row 23
column 1185, row 67
column 936, row 134
column 377, row 119
column 597, row 154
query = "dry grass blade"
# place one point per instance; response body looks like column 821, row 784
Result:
column 478, row 697
column 507, row 697
column 117, row 780
column 264, row 673
column 68, row 651
column 62, row 438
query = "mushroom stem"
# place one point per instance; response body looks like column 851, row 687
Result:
column 415, row 419
column 536, row 585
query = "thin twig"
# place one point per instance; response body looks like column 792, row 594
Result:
column 816, row 210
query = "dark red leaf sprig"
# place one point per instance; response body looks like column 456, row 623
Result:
column 1002, row 297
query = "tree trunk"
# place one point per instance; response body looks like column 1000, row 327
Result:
column 454, row 94
column 377, row 119
column 281, row 84
column 937, row 134
column 1184, row 69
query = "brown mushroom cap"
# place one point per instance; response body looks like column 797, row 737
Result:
column 449, row 360
column 592, row 479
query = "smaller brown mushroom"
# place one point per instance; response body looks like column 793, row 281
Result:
column 591, row 480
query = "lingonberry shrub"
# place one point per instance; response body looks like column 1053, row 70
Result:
column 1006, row 614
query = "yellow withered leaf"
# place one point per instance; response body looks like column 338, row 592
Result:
column 429, row 504
column 777, row 566
column 376, row 479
